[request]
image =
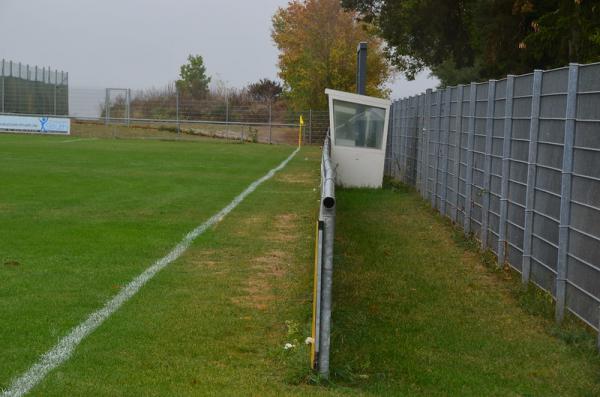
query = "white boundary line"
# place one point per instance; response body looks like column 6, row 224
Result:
column 79, row 140
column 65, row 346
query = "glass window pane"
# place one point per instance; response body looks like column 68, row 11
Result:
column 358, row 125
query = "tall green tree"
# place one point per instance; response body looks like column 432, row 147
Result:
column 464, row 40
column 317, row 43
column 193, row 79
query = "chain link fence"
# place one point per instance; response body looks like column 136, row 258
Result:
column 516, row 162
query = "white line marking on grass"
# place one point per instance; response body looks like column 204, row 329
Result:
column 65, row 347
column 79, row 139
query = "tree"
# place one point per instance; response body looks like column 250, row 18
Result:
column 194, row 80
column 464, row 40
column 317, row 41
column 265, row 90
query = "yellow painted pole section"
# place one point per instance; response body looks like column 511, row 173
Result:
column 314, row 311
column 300, row 131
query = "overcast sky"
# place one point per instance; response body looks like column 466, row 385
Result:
column 142, row 43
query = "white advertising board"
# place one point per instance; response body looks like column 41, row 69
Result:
column 42, row 125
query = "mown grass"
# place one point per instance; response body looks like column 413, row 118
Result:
column 78, row 220
column 418, row 312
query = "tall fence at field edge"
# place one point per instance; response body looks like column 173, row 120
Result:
column 323, row 276
column 516, row 162
column 33, row 90
column 164, row 108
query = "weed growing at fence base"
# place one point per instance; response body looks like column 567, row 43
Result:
column 416, row 312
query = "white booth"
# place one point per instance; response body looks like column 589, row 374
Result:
column 358, row 128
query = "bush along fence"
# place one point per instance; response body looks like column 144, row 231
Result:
column 516, row 162
column 323, row 271
column 33, row 90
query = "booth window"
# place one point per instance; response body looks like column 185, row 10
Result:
column 358, row 125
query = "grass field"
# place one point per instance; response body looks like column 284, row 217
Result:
column 416, row 311
column 81, row 218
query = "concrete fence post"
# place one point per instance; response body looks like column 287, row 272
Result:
column 487, row 163
column 470, row 143
column 436, row 147
column 397, row 105
column 419, row 144
column 565, row 196
column 427, row 140
column 406, row 131
column 400, row 106
column 444, row 142
column 425, row 134
column 403, row 124
column 459, row 100
column 389, row 151
column 534, row 129
column 508, row 111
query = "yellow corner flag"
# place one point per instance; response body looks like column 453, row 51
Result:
column 300, row 131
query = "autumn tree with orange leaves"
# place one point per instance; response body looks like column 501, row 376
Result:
column 317, row 41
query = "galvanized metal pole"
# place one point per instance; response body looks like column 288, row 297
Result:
column 2, row 92
column 445, row 139
column 459, row 100
column 508, row 111
column 326, row 299
column 67, row 111
column 487, row 164
column 177, row 110
column 270, row 124
column 310, row 126
column 470, row 143
column 107, row 106
column 565, row 196
column 534, row 128
column 55, row 81
column 327, row 216
column 227, row 113
column 361, row 69
column 128, row 107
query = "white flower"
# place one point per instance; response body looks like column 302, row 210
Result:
column 309, row 341
column 288, row 346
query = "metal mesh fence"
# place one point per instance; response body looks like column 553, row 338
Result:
column 33, row 90
column 516, row 162
column 161, row 113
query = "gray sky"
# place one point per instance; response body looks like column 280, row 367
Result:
column 142, row 43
